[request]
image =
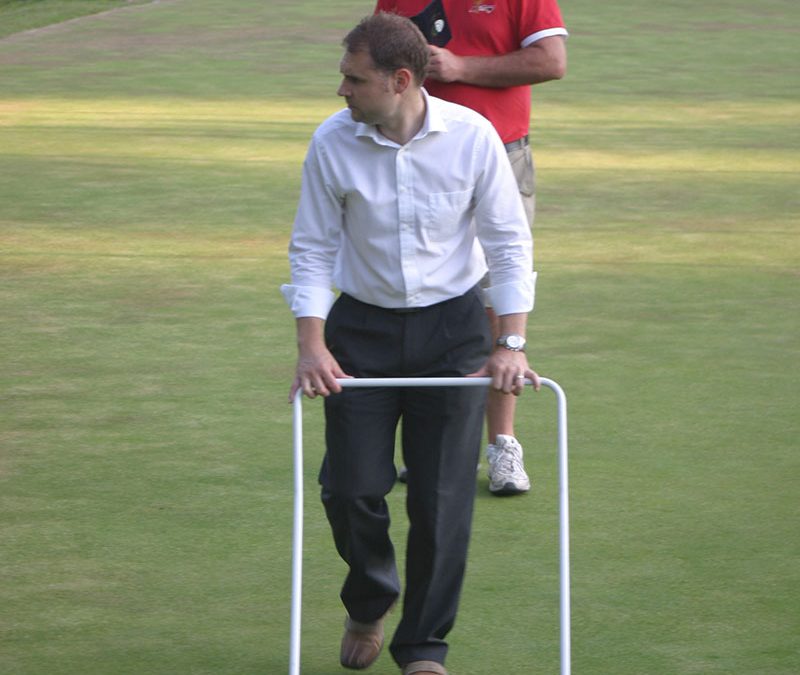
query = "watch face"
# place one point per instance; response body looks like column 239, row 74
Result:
column 514, row 341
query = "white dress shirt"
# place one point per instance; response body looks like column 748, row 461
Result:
column 409, row 226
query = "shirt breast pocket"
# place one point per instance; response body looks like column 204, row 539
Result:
column 445, row 213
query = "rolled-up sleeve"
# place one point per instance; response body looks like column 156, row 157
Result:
column 315, row 241
column 504, row 233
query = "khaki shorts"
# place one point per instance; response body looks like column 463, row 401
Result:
column 524, row 171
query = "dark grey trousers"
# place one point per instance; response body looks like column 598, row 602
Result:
column 441, row 437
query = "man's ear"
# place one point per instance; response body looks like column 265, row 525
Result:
column 401, row 80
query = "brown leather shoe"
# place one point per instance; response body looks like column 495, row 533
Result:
column 424, row 668
column 361, row 643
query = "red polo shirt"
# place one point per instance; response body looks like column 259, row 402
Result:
column 490, row 28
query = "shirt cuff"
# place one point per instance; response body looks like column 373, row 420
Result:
column 308, row 300
column 514, row 297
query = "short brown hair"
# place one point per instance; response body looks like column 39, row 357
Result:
column 392, row 42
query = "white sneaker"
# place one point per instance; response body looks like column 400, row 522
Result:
column 506, row 474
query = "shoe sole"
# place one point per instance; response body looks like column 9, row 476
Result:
column 508, row 490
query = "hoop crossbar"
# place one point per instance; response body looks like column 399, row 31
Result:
column 563, row 502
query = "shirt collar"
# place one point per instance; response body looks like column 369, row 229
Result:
column 433, row 122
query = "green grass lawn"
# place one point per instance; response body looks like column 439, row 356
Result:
column 150, row 162
column 23, row 15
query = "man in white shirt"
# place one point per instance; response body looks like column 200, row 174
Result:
column 405, row 198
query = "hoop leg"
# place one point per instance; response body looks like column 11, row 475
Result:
column 563, row 504
column 563, row 528
column 297, row 538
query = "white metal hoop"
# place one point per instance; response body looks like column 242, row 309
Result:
column 563, row 502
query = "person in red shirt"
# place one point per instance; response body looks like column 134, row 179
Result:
column 486, row 54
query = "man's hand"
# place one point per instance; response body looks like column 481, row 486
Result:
column 444, row 65
column 508, row 370
column 544, row 60
column 317, row 370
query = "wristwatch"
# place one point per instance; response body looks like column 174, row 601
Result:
column 515, row 343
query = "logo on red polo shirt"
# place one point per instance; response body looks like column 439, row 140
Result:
column 481, row 7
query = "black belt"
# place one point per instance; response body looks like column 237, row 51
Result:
column 413, row 310
column 404, row 310
column 516, row 145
